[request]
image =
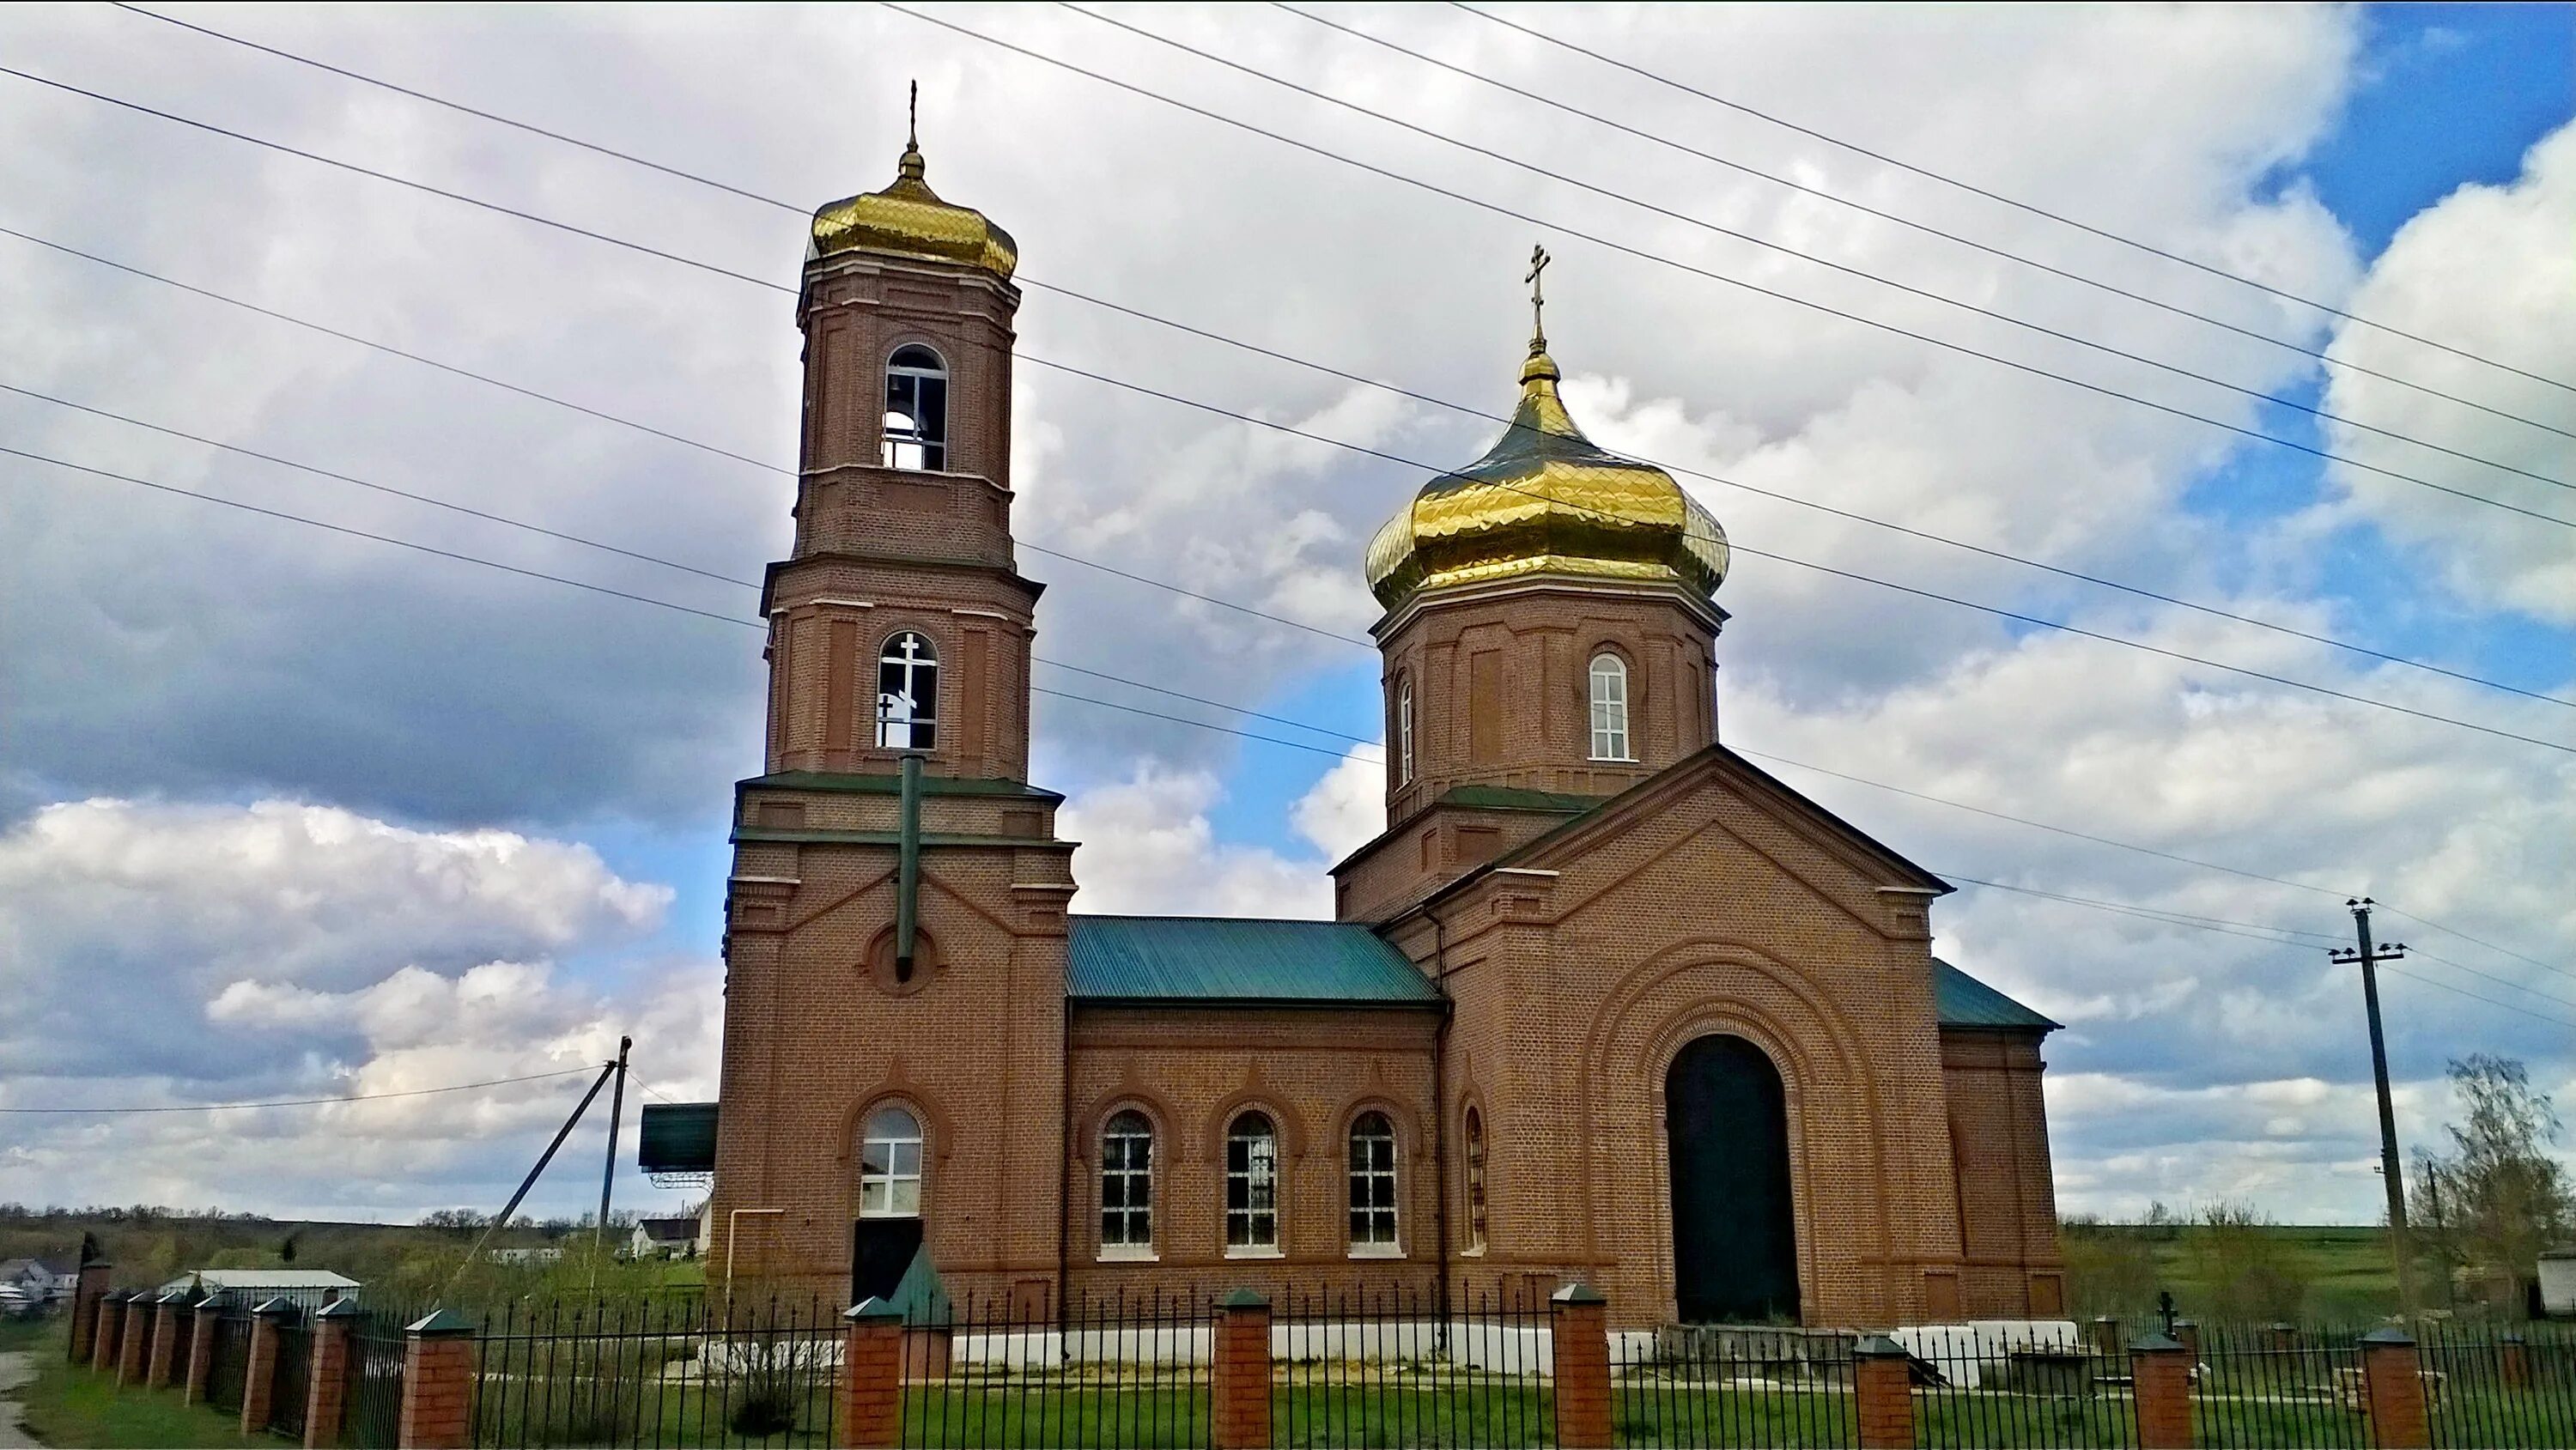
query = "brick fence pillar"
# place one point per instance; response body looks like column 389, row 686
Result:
column 201, row 1350
column 2160, row 1379
column 2392, row 1386
column 872, row 1343
column 1883, row 1382
column 2283, row 1337
column 111, row 1327
column 2187, row 1331
column 2513, row 1363
column 438, row 1384
column 1580, row 1334
column 2108, row 1336
column 86, row 1294
column 134, row 1341
column 162, row 1368
column 259, row 1367
column 326, row 1376
column 1239, row 1373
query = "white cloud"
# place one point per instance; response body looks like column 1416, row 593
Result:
column 1148, row 848
column 1346, row 809
column 2487, row 269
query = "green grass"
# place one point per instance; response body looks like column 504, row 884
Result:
column 25, row 1333
column 2343, row 1274
column 71, row 1406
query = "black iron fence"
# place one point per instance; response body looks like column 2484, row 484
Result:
column 1397, row 1366
column 292, row 1373
column 373, row 1410
column 228, row 1358
column 2278, row 1387
column 677, row 1372
column 1688, row 1386
column 1125, row 1371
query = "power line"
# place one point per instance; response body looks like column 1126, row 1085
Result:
column 308, row 1102
column 1327, row 369
column 1811, row 258
column 1975, row 190
column 2014, row 615
column 2157, row 914
column 1642, row 254
column 2318, row 354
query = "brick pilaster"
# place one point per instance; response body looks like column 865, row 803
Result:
column 134, row 1341
column 162, row 1367
column 2160, row 1377
column 111, row 1327
column 86, row 1294
column 1581, row 1335
column 326, row 1380
column 201, row 1350
column 872, row 1352
column 1883, row 1382
column 1239, row 1373
column 2513, row 1363
column 2188, row 1332
column 2392, row 1379
column 438, row 1384
column 259, row 1370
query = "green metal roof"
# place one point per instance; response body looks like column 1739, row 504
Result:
column 1219, row 961
column 876, row 783
column 677, row 1138
column 1960, row 1000
column 1506, row 798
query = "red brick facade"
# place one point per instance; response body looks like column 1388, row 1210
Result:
column 1584, row 921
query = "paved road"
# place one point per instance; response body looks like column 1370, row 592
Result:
column 17, row 1367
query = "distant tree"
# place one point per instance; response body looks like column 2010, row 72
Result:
column 454, row 1220
column 2248, row 1273
column 2499, row 1198
column 2110, row 1267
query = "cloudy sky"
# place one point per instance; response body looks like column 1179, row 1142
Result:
column 287, row 812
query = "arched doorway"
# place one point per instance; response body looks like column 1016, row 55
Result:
column 1735, row 1235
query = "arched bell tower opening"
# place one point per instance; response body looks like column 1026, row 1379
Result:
column 1735, row 1225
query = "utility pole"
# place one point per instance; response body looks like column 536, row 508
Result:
column 2392, row 1173
column 617, row 1111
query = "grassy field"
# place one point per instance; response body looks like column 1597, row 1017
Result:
column 68, row 1406
column 2324, row 1274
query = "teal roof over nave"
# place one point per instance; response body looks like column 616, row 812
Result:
column 1220, row 961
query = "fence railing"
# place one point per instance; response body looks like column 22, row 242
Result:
column 1351, row 1368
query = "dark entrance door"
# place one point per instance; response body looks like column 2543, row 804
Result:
column 1735, row 1237
column 880, row 1250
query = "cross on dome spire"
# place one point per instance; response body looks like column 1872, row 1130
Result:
column 1538, row 298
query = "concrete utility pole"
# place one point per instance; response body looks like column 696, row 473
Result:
column 2390, row 1170
column 616, row 1111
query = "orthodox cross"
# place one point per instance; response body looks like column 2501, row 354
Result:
column 1538, row 291
column 912, row 120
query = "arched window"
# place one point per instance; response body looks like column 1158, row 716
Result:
column 1373, row 1185
column 1252, row 1185
column 916, row 410
column 890, row 1164
column 1610, row 707
column 908, row 693
column 1475, row 1135
column 1127, row 1184
column 1404, row 731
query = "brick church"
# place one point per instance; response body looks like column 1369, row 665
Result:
column 1605, row 1002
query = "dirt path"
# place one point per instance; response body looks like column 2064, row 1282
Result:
column 17, row 1367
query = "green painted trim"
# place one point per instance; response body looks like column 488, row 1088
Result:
column 174, row 1297
column 870, row 783
column 873, row 1311
column 1506, row 798
column 1579, row 1293
column 339, row 1309
column 1242, row 1299
column 277, row 1304
column 441, row 1324
column 2390, row 1336
column 885, row 838
column 1229, row 1004
column 2155, row 1344
column 1879, row 1346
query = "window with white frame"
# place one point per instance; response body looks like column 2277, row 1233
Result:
column 1404, row 732
column 1373, row 1184
column 890, row 1164
column 1127, row 1184
column 1252, row 1185
column 1475, row 1136
column 1610, row 707
column 916, row 411
column 908, row 693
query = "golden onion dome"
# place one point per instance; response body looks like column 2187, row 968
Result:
column 908, row 219
column 1547, row 500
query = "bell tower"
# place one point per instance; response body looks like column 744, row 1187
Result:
column 895, row 922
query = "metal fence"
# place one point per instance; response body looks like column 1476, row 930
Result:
column 2492, row 1388
column 228, row 1359
column 658, row 1373
column 1124, row 1371
column 1977, row 1388
column 1690, row 1386
column 1401, row 1367
column 292, row 1375
column 373, row 1411
column 2278, row 1387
